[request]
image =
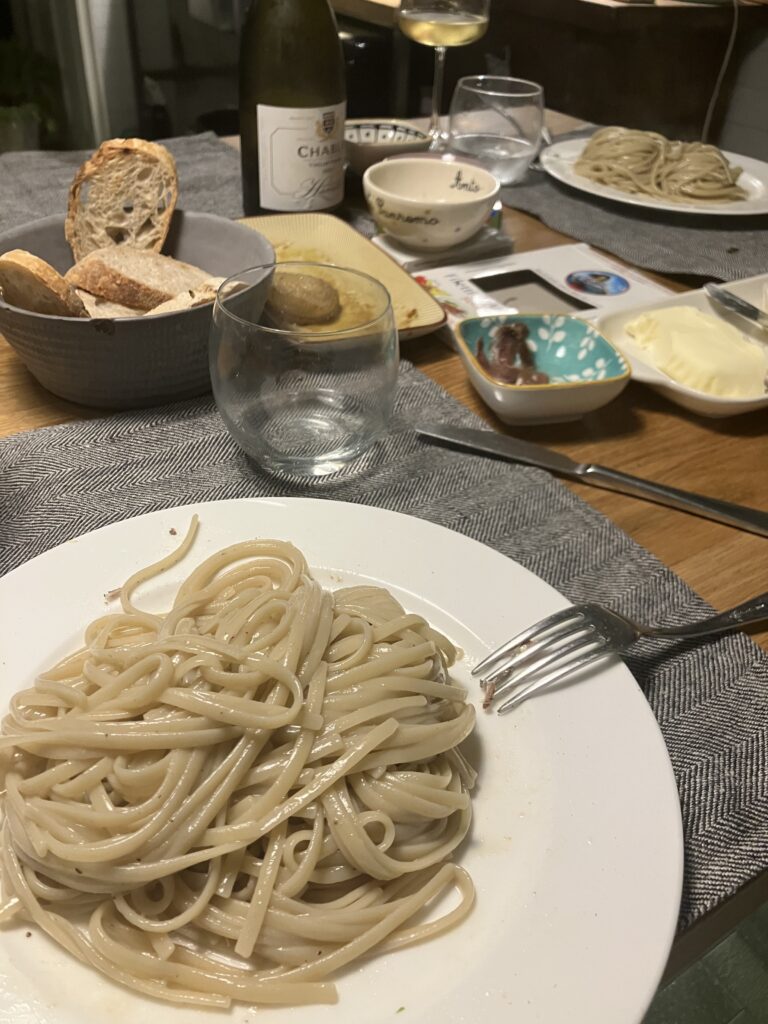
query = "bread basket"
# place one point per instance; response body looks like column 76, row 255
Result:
column 134, row 361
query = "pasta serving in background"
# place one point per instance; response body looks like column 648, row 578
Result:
column 234, row 799
column 646, row 163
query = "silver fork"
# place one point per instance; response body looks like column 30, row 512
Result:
column 576, row 637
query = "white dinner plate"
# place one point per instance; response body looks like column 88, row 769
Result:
column 559, row 159
column 576, row 845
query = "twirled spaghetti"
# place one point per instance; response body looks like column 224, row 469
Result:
column 234, row 799
column 646, row 163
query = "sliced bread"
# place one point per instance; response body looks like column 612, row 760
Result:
column 138, row 278
column 124, row 194
column 30, row 283
column 200, row 296
column 104, row 309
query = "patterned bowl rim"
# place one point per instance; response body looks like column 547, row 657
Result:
column 355, row 124
column 489, row 192
column 550, row 385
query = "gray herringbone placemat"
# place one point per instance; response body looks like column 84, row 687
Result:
column 711, row 701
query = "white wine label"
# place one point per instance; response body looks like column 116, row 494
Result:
column 301, row 157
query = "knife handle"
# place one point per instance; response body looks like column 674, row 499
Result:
column 744, row 518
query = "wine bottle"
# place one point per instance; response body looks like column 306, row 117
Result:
column 292, row 107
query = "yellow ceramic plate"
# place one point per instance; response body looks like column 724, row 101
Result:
column 321, row 238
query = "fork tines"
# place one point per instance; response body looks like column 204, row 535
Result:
column 559, row 644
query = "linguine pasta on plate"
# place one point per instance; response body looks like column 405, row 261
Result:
column 647, row 163
column 234, row 799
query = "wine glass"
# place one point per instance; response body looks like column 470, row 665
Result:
column 442, row 23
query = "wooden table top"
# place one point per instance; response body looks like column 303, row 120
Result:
column 640, row 433
column 375, row 12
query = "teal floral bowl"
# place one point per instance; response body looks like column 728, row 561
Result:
column 543, row 368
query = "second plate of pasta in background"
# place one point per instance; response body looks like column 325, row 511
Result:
column 559, row 161
column 575, row 849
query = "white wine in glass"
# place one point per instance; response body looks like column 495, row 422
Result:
column 442, row 23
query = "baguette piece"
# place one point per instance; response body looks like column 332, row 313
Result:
column 124, row 194
column 138, row 278
column 104, row 309
column 200, row 296
column 30, row 283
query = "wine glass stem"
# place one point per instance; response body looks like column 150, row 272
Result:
column 437, row 95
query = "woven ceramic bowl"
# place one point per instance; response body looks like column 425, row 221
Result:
column 585, row 370
column 133, row 361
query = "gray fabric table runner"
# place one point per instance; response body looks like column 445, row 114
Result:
column 711, row 700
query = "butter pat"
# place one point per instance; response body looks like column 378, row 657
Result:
column 702, row 352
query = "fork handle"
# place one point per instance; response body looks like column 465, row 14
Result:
column 751, row 611
column 752, row 519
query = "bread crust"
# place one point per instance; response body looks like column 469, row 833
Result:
column 106, row 273
column 32, row 284
column 153, row 208
column 93, row 276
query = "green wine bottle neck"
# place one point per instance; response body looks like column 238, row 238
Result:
column 290, row 42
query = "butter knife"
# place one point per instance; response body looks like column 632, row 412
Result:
column 735, row 304
column 514, row 450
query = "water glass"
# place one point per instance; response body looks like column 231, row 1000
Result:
column 498, row 121
column 303, row 360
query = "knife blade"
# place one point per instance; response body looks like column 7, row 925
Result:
column 512, row 449
column 735, row 304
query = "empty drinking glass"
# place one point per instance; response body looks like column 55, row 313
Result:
column 498, row 121
column 303, row 363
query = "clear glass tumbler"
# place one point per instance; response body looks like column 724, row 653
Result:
column 303, row 360
column 498, row 121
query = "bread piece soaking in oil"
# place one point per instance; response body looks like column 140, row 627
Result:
column 298, row 299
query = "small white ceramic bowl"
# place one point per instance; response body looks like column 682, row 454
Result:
column 429, row 204
column 585, row 370
column 368, row 141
